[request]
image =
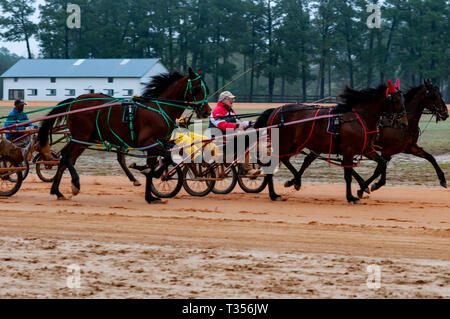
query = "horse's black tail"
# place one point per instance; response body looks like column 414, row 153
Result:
column 261, row 122
column 47, row 125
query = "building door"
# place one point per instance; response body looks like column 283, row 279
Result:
column 16, row 95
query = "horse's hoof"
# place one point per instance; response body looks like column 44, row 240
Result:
column 444, row 184
column 355, row 202
column 132, row 165
column 156, row 201
column 360, row 194
column 75, row 190
column 367, row 190
column 288, row 184
column 277, row 199
column 375, row 187
column 137, row 184
column 298, row 187
column 62, row 198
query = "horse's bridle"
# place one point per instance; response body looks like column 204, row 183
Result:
column 190, row 88
column 437, row 109
column 394, row 117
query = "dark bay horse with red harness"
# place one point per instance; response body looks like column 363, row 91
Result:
column 164, row 100
column 358, row 129
column 395, row 140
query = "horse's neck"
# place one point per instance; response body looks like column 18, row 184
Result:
column 415, row 110
column 371, row 114
column 173, row 112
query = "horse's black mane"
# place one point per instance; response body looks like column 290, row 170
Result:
column 412, row 92
column 351, row 98
column 161, row 82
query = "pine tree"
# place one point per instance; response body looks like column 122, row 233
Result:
column 16, row 21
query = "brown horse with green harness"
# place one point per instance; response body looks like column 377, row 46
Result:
column 164, row 100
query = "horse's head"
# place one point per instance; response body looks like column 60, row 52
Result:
column 197, row 91
column 395, row 104
column 434, row 101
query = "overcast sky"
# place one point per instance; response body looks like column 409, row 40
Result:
column 20, row 48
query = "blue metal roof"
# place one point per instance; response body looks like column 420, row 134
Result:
column 74, row 68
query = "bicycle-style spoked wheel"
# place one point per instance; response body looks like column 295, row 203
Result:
column 199, row 179
column 25, row 173
column 253, row 184
column 227, row 179
column 47, row 171
column 10, row 178
column 170, row 183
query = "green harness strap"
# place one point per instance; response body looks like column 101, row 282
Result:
column 108, row 146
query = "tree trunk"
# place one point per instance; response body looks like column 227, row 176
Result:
column 369, row 60
column 27, row 40
column 252, row 62
column 322, row 75
column 66, row 42
column 329, row 79
column 304, row 82
column 388, row 47
column 271, row 74
column 448, row 90
column 245, row 86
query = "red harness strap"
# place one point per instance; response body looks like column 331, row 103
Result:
column 307, row 140
column 366, row 133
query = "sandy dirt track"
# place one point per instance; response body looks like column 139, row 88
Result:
column 314, row 245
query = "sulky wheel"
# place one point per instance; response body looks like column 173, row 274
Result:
column 25, row 173
column 10, row 178
column 46, row 171
column 199, row 179
column 253, row 184
column 227, row 179
column 170, row 183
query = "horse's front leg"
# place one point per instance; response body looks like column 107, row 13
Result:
column 418, row 151
column 361, row 183
column 380, row 170
column 382, row 180
column 348, row 163
column 151, row 162
column 273, row 196
column 310, row 158
column 297, row 178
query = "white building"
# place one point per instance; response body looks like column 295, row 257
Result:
column 60, row 79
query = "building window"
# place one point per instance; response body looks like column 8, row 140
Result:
column 90, row 91
column 109, row 92
column 52, row 80
column 128, row 92
column 70, row 92
column 51, row 92
column 16, row 94
column 110, row 80
column 32, row 92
